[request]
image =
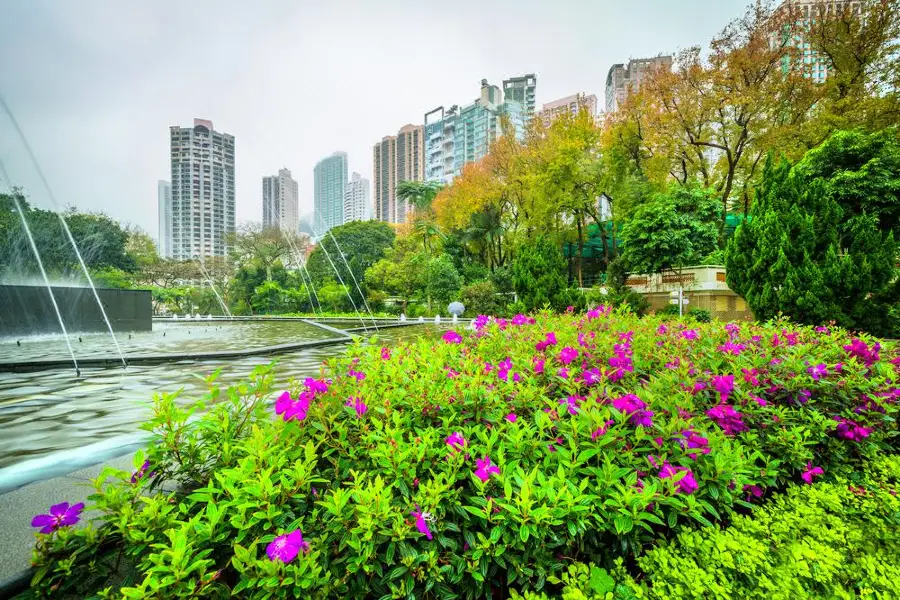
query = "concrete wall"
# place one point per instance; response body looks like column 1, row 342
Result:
column 26, row 310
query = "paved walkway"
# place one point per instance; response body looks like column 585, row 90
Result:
column 19, row 506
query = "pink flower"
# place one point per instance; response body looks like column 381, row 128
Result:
column 860, row 350
column 730, row 347
column 685, row 485
column 601, row 430
column 385, row 353
column 485, row 469
column 61, row 515
column 285, row 548
column 850, row 430
column 690, row 334
column 817, row 372
column 421, row 522
column 511, row 417
column 727, row 418
column 567, row 355
column 538, row 365
column 315, row 386
column 451, row 337
column 549, row 340
column 591, row 376
column 572, row 404
column 635, row 408
column 724, row 384
column 811, row 472
column 456, row 440
column 357, row 405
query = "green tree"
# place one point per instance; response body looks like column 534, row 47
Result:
column 400, row 272
column 440, row 280
column 538, row 274
column 363, row 243
column 268, row 298
column 819, row 245
column 674, row 229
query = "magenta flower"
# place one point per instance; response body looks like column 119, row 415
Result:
column 359, row 375
column 315, row 386
column 567, row 355
column 591, row 376
column 730, row 347
column 485, row 469
column 662, row 330
column 520, row 319
column 283, row 403
column 357, row 404
column 724, row 384
column 753, row 490
column 61, row 515
column 817, row 372
column 730, row 420
column 549, row 340
column 139, row 474
column 621, row 364
column 693, row 440
column 538, row 365
column 385, row 353
column 481, row 321
column 511, row 417
column 572, row 404
column 293, row 410
column 421, row 521
column 685, row 485
column 811, row 472
column 751, row 376
column 285, row 548
column 860, row 350
column 690, row 334
column 451, row 337
column 456, row 440
column 601, row 430
column 563, row 372
column 635, row 408
column 850, row 430
column 733, row 329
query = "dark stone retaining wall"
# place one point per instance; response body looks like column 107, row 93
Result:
column 27, row 310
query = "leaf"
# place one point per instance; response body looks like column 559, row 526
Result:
column 623, row 524
column 600, row 581
column 523, row 532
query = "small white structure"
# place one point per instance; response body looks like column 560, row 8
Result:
column 421, row 319
column 403, row 317
column 437, row 319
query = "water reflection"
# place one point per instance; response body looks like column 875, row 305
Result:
column 50, row 412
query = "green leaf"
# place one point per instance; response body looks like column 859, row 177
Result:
column 600, row 581
column 523, row 532
column 623, row 524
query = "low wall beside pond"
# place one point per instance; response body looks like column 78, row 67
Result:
column 27, row 310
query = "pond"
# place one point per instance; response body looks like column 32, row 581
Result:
column 47, row 415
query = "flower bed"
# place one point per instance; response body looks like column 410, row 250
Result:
column 484, row 461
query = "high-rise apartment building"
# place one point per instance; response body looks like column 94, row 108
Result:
column 807, row 12
column 521, row 90
column 569, row 105
column 439, row 129
column 202, row 190
column 164, row 197
column 330, row 176
column 623, row 80
column 281, row 201
column 457, row 136
column 356, row 199
column 396, row 159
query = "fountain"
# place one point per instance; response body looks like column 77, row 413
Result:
column 437, row 319
column 402, row 317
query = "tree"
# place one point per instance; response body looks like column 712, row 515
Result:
column 141, row 248
column 420, row 196
column 361, row 243
column 440, row 280
column 266, row 246
column 674, row 229
column 819, row 245
column 539, row 274
column 400, row 272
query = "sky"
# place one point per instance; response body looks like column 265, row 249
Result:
column 95, row 85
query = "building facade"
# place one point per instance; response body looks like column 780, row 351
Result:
column 164, row 200
column 357, row 206
column 623, row 80
column 815, row 65
column 439, row 128
column 281, row 201
column 330, row 181
column 396, row 159
column 569, row 105
column 203, row 214
column 522, row 90
column 477, row 125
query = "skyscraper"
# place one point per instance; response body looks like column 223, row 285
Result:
column 356, row 199
column 164, row 196
column 568, row 105
column 280, row 198
column 330, row 176
column 438, row 134
column 202, row 190
column 521, row 90
column 396, row 159
column 622, row 80
column 477, row 125
column 814, row 64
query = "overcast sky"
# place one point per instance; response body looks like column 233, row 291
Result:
column 95, row 84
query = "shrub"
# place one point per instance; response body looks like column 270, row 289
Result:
column 538, row 275
column 701, row 315
column 480, row 299
column 481, row 463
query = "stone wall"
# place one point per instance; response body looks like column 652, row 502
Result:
column 27, row 310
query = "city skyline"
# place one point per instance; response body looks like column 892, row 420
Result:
column 80, row 80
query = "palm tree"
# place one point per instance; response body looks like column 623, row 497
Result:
column 420, row 195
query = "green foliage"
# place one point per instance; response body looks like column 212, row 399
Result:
column 819, row 245
column 440, row 280
column 617, row 293
column 335, row 297
column 581, row 485
column 538, row 274
column 674, row 229
column 481, row 299
column 828, row 540
column 701, row 315
column 362, row 243
column 268, row 298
